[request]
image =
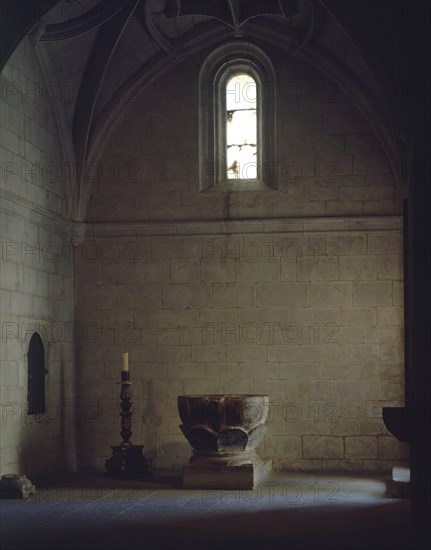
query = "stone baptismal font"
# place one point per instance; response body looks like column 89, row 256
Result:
column 224, row 431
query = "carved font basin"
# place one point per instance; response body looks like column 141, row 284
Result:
column 223, row 425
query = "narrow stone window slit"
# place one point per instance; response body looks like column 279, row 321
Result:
column 36, row 376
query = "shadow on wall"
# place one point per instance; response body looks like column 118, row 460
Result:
column 164, row 454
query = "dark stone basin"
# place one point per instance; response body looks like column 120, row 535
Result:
column 398, row 422
column 223, row 423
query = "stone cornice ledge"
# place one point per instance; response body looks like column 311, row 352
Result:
column 238, row 227
column 37, row 214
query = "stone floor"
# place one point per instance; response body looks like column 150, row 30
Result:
column 91, row 511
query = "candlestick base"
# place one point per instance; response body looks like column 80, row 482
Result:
column 127, row 462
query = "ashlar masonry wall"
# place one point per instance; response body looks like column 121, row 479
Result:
column 36, row 274
column 295, row 292
column 257, row 312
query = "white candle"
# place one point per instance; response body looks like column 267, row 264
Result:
column 125, row 362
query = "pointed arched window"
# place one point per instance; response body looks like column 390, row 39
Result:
column 36, row 376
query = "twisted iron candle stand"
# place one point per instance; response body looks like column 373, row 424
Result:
column 126, row 461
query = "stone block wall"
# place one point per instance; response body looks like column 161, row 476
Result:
column 295, row 292
column 310, row 316
column 329, row 161
column 36, row 281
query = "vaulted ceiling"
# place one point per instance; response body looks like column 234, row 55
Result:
column 100, row 53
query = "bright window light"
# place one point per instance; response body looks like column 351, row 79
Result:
column 241, row 128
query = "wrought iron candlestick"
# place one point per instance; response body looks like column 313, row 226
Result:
column 125, row 405
column 126, row 460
